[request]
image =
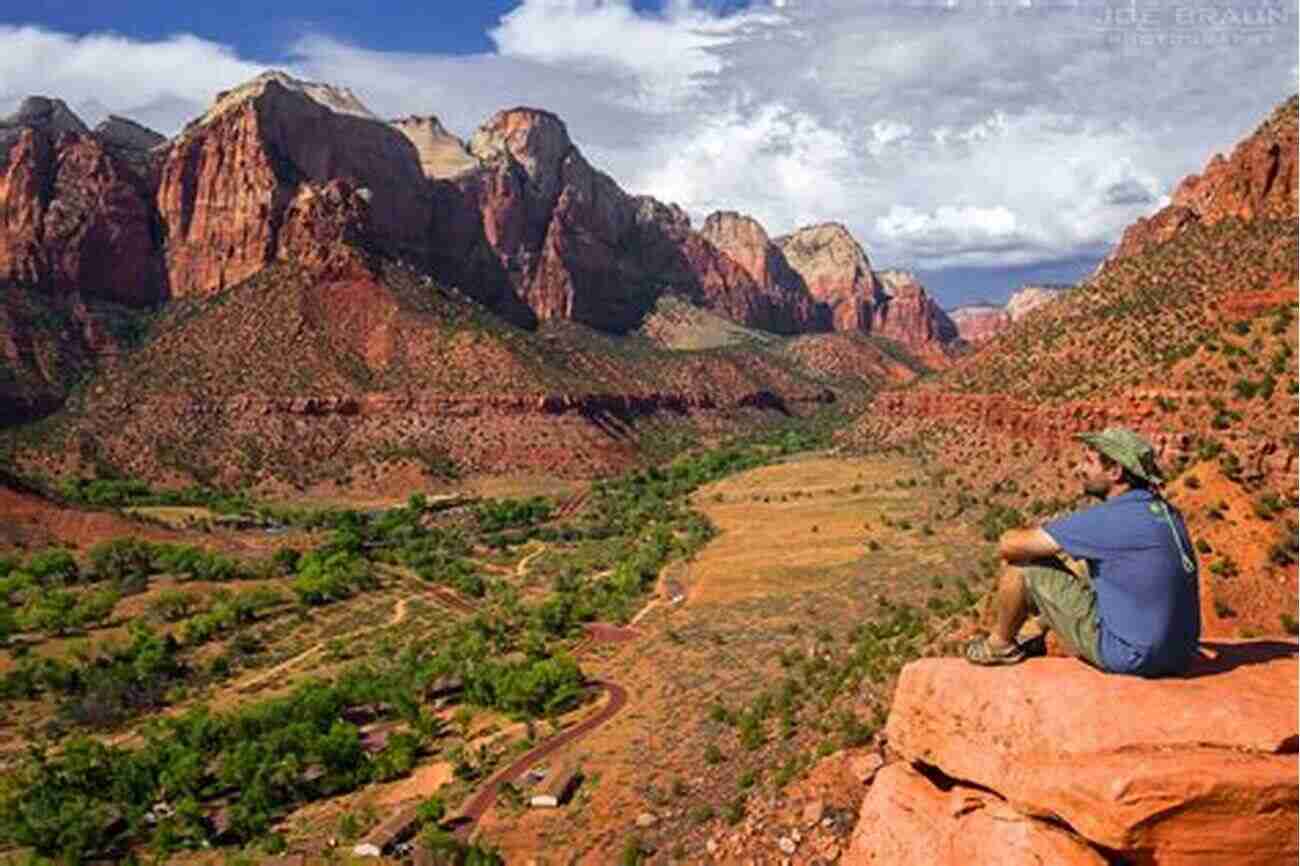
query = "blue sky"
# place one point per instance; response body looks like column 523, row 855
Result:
column 982, row 143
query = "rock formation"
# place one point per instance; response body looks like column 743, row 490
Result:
column 129, row 141
column 979, row 323
column 746, row 241
column 442, row 155
column 74, row 216
column 835, row 269
column 1031, row 296
column 909, row 315
column 1258, row 180
column 230, row 177
column 536, row 233
column 1053, row 761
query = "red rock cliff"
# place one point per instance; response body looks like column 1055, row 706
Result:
column 909, row 315
column 75, row 218
column 229, row 179
column 1258, row 180
column 836, row 271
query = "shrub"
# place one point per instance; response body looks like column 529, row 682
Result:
column 54, row 565
column 121, row 558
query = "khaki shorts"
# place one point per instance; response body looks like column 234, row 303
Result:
column 1062, row 592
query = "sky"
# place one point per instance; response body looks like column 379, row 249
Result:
column 981, row 143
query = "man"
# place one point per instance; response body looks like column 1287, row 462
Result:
column 1138, row 609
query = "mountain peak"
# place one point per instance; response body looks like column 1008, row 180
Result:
column 442, row 155
column 534, row 138
column 340, row 100
column 45, row 113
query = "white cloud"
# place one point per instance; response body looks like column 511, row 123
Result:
column 160, row 83
column 970, row 133
column 779, row 165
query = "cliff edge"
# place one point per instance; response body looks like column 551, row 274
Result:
column 1054, row 762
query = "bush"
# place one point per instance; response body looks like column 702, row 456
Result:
column 53, row 566
column 325, row 576
column 121, row 558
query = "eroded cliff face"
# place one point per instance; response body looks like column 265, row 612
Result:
column 909, row 315
column 979, row 323
column 229, row 179
column 835, row 269
column 1258, row 180
column 536, row 233
column 75, row 217
column 792, row 308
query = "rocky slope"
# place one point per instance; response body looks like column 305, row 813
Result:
column 1054, row 762
column 1258, row 180
column 371, row 379
column 1191, row 341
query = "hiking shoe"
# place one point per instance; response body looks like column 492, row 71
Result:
column 981, row 652
column 1035, row 647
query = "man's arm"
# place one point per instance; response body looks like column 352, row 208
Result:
column 1020, row 546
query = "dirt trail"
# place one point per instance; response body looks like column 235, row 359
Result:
column 521, row 570
column 398, row 617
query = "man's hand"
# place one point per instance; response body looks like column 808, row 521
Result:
column 1019, row 546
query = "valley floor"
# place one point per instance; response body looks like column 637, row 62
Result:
column 790, row 571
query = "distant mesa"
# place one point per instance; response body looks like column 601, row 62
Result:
column 982, row 321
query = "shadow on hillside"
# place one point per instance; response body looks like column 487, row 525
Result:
column 1218, row 658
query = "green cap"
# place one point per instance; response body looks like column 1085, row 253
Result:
column 1128, row 449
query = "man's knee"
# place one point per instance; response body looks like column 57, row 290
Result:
column 1012, row 579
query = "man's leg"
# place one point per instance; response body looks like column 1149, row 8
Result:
column 1013, row 607
column 1068, row 604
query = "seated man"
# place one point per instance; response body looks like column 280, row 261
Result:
column 1137, row 611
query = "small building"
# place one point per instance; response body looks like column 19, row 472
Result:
column 558, row 788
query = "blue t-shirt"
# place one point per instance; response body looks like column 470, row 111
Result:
column 1148, row 603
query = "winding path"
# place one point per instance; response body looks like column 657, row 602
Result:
column 473, row 810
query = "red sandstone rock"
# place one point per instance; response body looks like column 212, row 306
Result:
column 1181, row 770
column 980, row 322
column 905, row 819
column 230, row 177
column 1259, row 180
column 910, row 316
column 74, row 218
column 835, row 269
column 743, row 239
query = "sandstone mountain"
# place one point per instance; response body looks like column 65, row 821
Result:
column 835, row 269
column 281, row 171
column 980, row 322
column 1190, row 339
column 910, row 316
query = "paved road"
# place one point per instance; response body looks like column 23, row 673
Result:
column 487, row 796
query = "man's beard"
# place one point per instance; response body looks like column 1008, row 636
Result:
column 1097, row 487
